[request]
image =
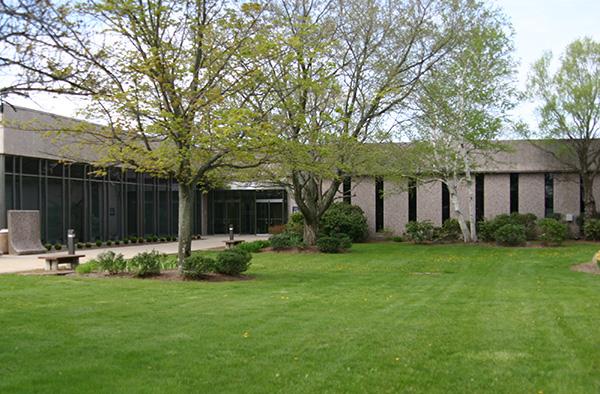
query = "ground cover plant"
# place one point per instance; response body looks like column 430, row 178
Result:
column 385, row 317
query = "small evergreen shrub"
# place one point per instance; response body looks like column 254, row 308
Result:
column 528, row 221
column 233, row 261
column 79, row 245
column 125, row 241
column 334, row 244
column 197, row 265
column 487, row 229
column 140, row 240
column 133, row 240
column 109, row 243
column 88, row 245
column 450, row 230
column 48, row 246
column 254, row 246
column 98, row 243
column 552, row 232
column 117, row 242
column 419, row 232
column 285, row 241
column 87, row 268
column 343, row 218
column 397, row 238
column 295, row 224
column 511, row 235
column 111, row 262
column 146, row 263
column 591, row 229
column 58, row 246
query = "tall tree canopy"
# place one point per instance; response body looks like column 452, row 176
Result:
column 169, row 79
column 462, row 109
column 338, row 74
column 569, row 109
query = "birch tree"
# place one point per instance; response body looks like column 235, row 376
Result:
column 462, row 109
column 168, row 80
column 569, row 109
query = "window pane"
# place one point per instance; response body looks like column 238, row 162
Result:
column 31, row 193
column 29, row 165
column 131, row 201
column 55, row 211
column 77, row 208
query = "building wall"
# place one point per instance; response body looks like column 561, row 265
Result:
column 395, row 206
column 364, row 197
column 566, row 194
column 429, row 202
column 531, row 194
column 496, row 195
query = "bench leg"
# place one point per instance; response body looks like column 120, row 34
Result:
column 54, row 264
column 48, row 266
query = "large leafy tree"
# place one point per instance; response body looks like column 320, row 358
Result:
column 338, row 73
column 168, row 80
column 462, row 109
column 569, row 98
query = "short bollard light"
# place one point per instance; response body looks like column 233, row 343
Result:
column 71, row 241
column 231, row 232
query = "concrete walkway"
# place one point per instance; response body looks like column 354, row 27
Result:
column 11, row 264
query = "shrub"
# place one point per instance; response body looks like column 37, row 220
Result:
column 295, row 224
column 591, row 229
column 98, row 243
column 140, row 240
column 511, row 235
column 254, row 246
column 397, row 238
column 419, row 232
column 196, row 265
column 335, row 244
column 58, row 246
column 343, row 218
column 146, row 263
column 133, row 240
column 48, row 246
column 552, row 232
column 163, row 239
column 233, row 262
column 109, row 243
column 488, row 229
column 125, row 241
column 79, row 245
column 285, row 241
column 450, row 230
column 88, row 245
column 528, row 221
column 87, row 268
column 117, row 242
column 111, row 262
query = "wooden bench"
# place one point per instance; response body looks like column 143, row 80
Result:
column 230, row 244
column 53, row 260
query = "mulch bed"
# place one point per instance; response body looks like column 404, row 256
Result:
column 168, row 275
column 588, row 268
column 306, row 249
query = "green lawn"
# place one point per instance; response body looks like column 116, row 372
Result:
column 383, row 318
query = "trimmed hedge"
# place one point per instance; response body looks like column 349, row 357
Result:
column 419, row 232
column 285, row 241
column 591, row 229
column 511, row 235
column 552, row 232
column 197, row 265
column 335, row 244
column 343, row 218
column 233, row 261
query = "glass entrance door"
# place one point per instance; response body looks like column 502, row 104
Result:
column 226, row 213
column 268, row 213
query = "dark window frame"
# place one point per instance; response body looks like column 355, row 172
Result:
column 379, row 207
column 514, row 192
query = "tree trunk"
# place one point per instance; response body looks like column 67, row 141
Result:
column 184, row 248
column 589, row 203
column 453, row 191
column 472, row 208
column 310, row 232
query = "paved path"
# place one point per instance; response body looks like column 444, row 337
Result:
column 10, row 264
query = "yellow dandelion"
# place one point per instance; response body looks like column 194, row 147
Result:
column 246, row 334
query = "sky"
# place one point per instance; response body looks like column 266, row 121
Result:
column 539, row 25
